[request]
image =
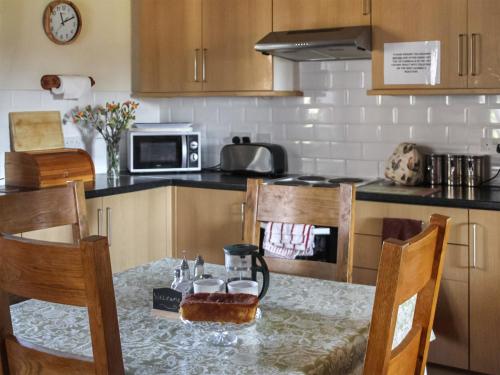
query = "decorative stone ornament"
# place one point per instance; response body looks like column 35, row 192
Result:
column 406, row 165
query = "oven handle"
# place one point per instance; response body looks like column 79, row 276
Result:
column 184, row 152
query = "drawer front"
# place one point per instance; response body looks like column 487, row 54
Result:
column 367, row 251
column 369, row 216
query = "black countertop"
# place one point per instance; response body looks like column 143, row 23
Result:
column 485, row 198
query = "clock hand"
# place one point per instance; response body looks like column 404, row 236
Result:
column 62, row 20
column 69, row 19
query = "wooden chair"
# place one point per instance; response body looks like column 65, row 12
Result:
column 45, row 208
column 406, row 269
column 78, row 275
column 330, row 207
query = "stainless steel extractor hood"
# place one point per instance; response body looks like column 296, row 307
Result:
column 344, row 43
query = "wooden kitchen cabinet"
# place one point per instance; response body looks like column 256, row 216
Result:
column 201, row 47
column 166, row 53
column 319, row 14
column 469, row 34
column 205, row 220
column 485, row 291
column 429, row 20
column 484, row 39
column 230, row 30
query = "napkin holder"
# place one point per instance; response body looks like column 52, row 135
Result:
column 46, row 168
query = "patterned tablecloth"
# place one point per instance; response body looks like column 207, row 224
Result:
column 307, row 325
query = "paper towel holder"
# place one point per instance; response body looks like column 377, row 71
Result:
column 52, row 81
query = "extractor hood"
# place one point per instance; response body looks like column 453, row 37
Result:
column 343, row 43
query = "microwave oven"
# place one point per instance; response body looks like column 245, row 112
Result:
column 163, row 151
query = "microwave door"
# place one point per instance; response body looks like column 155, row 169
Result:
column 154, row 152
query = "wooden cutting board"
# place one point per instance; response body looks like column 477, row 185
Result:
column 31, row 131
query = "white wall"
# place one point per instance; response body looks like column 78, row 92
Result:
column 336, row 128
column 102, row 51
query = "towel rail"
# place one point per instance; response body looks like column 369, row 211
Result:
column 317, row 231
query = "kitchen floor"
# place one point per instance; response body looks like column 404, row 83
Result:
column 441, row 370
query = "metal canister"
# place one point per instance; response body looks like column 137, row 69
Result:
column 453, row 169
column 474, row 170
column 434, row 169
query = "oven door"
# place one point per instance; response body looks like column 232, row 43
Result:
column 156, row 153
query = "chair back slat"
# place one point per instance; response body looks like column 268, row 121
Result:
column 29, row 359
column 403, row 357
column 330, row 207
column 417, row 264
column 47, row 271
column 406, row 269
column 45, row 208
column 299, row 205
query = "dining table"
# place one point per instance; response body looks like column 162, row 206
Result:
column 306, row 326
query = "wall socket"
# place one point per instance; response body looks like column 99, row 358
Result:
column 490, row 146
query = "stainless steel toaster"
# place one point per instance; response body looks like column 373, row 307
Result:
column 253, row 159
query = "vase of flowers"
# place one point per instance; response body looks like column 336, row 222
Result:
column 110, row 121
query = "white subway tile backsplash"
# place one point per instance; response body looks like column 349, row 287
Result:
column 363, row 133
column 329, row 132
column 430, row 133
column 313, row 149
column 285, row 114
column 379, row 115
column 334, row 129
column 347, row 80
column 316, row 81
column 231, row 115
column 330, row 167
column 343, row 150
column 299, row 132
column 448, row 115
column 395, row 133
column 362, row 168
column 412, row 115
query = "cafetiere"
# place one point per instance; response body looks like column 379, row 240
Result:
column 241, row 264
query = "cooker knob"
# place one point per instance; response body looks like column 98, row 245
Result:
column 193, row 145
column 193, row 157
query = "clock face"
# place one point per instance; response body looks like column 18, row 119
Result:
column 62, row 22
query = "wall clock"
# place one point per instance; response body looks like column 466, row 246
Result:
column 62, row 21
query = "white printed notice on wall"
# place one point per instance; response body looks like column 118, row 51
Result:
column 412, row 63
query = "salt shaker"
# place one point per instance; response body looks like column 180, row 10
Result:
column 198, row 267
column 177, row 277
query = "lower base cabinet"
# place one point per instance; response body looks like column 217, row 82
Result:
column 485, row 291
column 135, row 224
column 205, row 220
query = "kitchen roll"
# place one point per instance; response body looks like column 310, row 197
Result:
column 72, row 87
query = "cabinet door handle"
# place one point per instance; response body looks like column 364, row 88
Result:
column 474, row 245
column 461, row 39
column 108, row 224
column 196, row 51
column 99, row 221
column 243, row 205
column 204, row 66
column 366, row 7
column 473, row 54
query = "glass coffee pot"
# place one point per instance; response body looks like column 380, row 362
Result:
column 241, row 264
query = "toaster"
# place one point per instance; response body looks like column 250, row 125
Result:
column 253, row 159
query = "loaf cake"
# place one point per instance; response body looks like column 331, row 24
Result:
column 220, row 307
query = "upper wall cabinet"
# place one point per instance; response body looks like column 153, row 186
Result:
column 200, row 47
column 166, row 45
column 468, row 32
column 230, row 30
column 484, row 40
column 318, row 14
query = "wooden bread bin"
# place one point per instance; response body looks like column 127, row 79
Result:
column 45, row 168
